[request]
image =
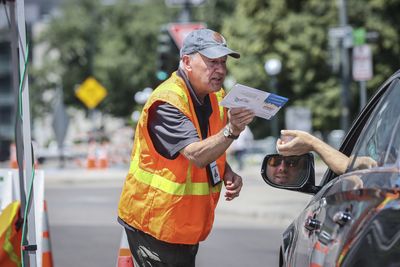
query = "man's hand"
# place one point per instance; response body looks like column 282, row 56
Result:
column 294, row 142
column 239, row 118
column 364, row 163
column 233, row 184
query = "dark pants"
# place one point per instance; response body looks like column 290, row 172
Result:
column 148, row 251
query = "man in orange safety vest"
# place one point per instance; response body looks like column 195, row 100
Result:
column 178, row 161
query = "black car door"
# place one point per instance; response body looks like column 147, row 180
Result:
column 315, row 224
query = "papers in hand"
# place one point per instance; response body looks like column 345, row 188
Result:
column 264, row 104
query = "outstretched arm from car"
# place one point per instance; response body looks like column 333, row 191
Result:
column 295, row 142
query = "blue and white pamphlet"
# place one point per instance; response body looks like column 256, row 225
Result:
column 265, row 105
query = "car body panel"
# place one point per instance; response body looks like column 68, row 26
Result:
column 354, row 219
column 363, row 204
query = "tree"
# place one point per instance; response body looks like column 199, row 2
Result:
column 116, row 44
column 296, row 32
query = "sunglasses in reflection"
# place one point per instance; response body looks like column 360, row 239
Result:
column 291, row 161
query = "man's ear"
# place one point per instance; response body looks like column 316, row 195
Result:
column 186, row 60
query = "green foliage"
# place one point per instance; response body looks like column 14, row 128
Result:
column 117, row 45
column 296, row 32
column 127, row 46
column 214, row 12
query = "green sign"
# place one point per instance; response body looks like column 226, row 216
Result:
column 359, row 36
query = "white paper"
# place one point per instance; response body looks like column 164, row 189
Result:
column 265, row 105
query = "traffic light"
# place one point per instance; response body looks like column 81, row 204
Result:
column 168, row 54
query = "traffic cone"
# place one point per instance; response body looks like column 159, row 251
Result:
column 318, row 255
column 103, row 156
column 91, row 156
column 13, row 157
column 47, row 258
column 125, row 258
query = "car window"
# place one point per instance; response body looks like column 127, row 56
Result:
column 379, row 141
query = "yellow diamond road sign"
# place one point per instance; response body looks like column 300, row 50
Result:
column 91, row 92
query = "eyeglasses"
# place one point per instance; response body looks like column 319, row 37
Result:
column 290, row 161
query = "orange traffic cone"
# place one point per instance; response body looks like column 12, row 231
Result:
column 318, row 255
column 125, row 258
column 103, row 156
column 13, row 157
column 47, row 258
column 91, row 157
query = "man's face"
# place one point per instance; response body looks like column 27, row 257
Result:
column 206, row 74
column 284, row 171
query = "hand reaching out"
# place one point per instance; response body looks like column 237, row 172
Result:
column 293, row 142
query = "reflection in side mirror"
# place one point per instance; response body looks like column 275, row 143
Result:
column 287, row 171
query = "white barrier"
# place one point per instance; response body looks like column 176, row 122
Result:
column 6, row 189
column 10, row 191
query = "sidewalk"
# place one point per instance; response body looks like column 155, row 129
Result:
column 84, row 176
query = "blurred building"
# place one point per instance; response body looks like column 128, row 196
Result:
column 34, row 11
column 7, row 98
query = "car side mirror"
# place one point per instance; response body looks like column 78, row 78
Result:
column 290, row 172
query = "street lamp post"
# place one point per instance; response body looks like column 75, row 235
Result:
column 345, row 67
column 141, row 98
column 273, row 67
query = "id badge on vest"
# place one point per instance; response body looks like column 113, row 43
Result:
column 214, row 173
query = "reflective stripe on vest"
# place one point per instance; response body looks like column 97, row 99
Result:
column 173, row 188
column 220, row 95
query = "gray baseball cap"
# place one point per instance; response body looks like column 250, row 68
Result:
column 209, row 43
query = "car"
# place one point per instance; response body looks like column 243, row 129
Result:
column 352, row 219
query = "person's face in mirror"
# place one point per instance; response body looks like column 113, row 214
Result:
column 285, row 170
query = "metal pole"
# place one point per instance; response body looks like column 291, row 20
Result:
column 345, row 69
column 185, row 15
column 60, row 96
column 18, row 121
column 26, row 128
column 363, row 94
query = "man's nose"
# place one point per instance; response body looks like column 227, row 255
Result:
column 220, row 67
column 281, row 166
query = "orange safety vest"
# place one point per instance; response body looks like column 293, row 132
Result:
column 10, row 236
column 172, row 200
